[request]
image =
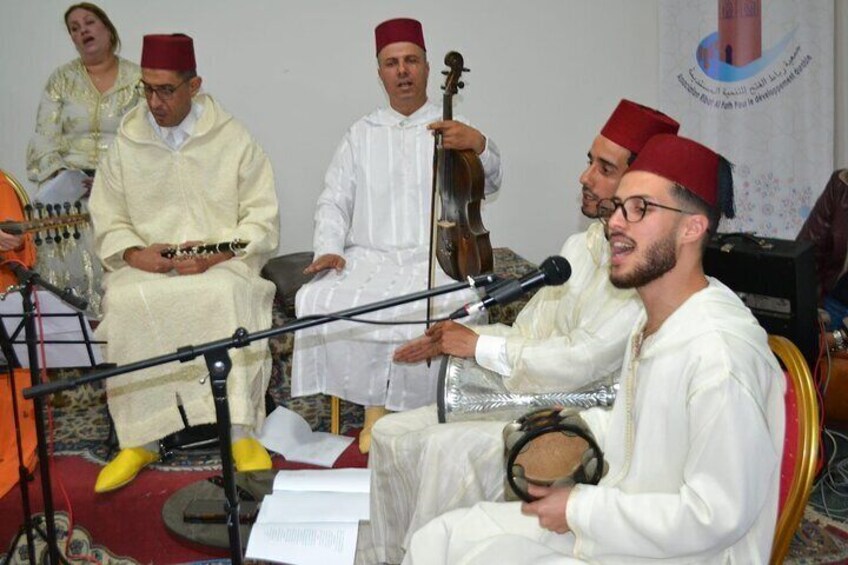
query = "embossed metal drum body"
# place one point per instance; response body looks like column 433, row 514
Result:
column 468, row 391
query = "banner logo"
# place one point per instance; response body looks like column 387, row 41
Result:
column 732, row 71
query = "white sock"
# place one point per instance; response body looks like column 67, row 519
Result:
column 239, row 432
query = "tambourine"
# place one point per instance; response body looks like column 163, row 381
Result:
column 550, row 447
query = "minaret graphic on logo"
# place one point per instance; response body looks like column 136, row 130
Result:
column 739, row 31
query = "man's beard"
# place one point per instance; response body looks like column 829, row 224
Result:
column 590, row 211
column 660, row 258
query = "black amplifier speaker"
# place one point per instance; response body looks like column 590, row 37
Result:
column 776, row 278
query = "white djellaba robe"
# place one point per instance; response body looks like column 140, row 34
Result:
column 566, row 337
column 217, row 186
column 375, row 212
column 694, row 443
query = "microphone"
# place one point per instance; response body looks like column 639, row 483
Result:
column 554, row 270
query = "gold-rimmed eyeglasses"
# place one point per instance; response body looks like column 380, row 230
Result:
column 633, row 208
column 164, row 92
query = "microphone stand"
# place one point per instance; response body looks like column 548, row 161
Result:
column 28, row 279
column 24, row 475
column 219, row 364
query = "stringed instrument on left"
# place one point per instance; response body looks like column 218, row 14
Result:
column 52, row 220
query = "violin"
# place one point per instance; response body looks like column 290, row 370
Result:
column 461, row 242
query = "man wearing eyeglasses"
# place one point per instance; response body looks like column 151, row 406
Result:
column 564, row 338
column 182, row 171
column 695, row 437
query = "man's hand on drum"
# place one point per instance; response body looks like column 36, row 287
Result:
column 549, row 508
column 448, row 338
column 9, row 242
column 324, row 262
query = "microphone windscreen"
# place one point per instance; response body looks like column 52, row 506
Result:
column 557, row 270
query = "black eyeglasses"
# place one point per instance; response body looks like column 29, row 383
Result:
column 165, row 92
column 633, row 208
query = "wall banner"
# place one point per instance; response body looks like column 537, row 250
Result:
column 753, row 80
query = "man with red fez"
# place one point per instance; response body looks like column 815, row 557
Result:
column 685, row 483
column 565, row 338
column 372, row 238
column 182, row 171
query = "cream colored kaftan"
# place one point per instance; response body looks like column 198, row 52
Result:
column 74, row 127
column 564, row 338
column 217, row 186
column 375, row 212
column 76, row 123
column 693, row 442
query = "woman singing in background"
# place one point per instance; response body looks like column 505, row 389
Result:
column 78, row 116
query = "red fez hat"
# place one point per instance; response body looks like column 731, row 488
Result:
column 631, row 125
column 173, row 52
column 399, row 29
column 696, row 168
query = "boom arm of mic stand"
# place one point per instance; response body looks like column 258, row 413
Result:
column 241, row 338
column 65, row 295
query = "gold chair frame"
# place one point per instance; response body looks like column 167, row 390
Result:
column 20, row 191
column 806, row 453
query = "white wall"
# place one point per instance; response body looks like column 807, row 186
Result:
column 544, row 77
column 841, row 79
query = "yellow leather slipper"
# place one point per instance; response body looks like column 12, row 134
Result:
column 250, row 455
column 123, row 468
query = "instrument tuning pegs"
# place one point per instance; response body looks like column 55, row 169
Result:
column 66, row 208
column 39, row 214
column 28, row 211
column 78, row 209
column 49, row 238
column 466, row 70
column 460, row 84
column 445, row 73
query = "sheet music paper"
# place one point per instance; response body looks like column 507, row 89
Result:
column 291, row 506
column 65, row 187
column 338, row 480
column 325, row 543
column 312, row 517
column 287, row 433
column 56, row 328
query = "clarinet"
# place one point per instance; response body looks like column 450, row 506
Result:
column 177, row 252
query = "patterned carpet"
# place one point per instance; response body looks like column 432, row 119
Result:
column 124, row 526
column 81, row 426
column 80, row 548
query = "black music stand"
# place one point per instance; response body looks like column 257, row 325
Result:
column 28, row 280
column 216, row 354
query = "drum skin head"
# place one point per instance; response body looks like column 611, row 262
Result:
column 551, row 456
